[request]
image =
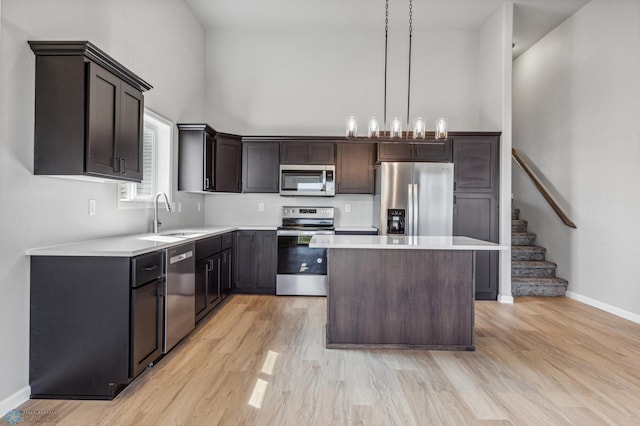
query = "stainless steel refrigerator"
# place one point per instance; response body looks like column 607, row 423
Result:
column 414, row 199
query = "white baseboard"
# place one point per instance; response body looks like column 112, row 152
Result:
column 15, row 400
column 605, row 307
column 505, row 299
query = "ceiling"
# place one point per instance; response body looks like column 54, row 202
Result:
column 533, row 19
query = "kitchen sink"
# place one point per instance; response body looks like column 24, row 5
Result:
column 182, row 234
column 172, row 236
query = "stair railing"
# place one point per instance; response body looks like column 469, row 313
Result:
column 543, row 191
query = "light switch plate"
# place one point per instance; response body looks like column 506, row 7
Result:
column 92, row 207
column 347, row 208
column 260, row 207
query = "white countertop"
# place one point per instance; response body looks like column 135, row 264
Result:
column 137, row 244
column 401, row 242
column 356, row 229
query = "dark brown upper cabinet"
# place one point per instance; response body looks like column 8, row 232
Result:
column 208, row 161
column 476, row 163
column 415, row 151
column 307, row 152
column 260, row 167
column 354, row 169
column 89, row 113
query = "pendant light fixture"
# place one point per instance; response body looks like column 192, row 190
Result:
column 395, row 131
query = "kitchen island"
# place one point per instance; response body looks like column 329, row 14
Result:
column 400, row 292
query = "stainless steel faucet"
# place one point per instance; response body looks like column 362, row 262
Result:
column 156, row 221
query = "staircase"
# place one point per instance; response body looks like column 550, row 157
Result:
column 531, row 274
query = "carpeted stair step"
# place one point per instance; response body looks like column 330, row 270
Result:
column 518, row 225
column 528, row 253
column 537, row 268
column 536, row 286
column 515, row 214
column 523, row 238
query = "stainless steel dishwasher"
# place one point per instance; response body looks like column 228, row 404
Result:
column 180, row 316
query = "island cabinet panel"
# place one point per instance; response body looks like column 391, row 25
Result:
column 255, row 262
column 208, row 161
column 400, row 298
column 260, row 167
column 415, row 151
column 476, row 208
column 89, row 113
column 354, row 170
column 307, row 152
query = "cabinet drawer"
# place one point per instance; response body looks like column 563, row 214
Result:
column 227, row 240
column 145, row 268
column 208, row 247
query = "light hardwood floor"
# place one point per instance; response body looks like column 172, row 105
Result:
column 261, row 360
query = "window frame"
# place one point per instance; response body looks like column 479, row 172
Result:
column 162, row 166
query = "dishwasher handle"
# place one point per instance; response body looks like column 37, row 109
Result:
column 180, row 257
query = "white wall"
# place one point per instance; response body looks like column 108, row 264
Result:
column 159, row 40
column 576, row 106
column 306, row 82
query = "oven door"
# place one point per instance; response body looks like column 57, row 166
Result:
column 302, row 271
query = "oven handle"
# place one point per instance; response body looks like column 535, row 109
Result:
column 296, row 233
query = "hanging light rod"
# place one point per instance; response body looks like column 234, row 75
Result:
column 395, row 130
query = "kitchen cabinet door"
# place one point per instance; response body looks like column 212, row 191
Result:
column 433, row 152
column 293, row 152
column 226, row 272
column 255, row 262
column 214, row 295
column 476, row 216
column 228, row 163
column 202, row 277
column 395, row 152
column 321, row 153
column 260, row 167
column 476, row 164
column 354, row 171
column 129, row 148
column 266, row 250
column 307, row 152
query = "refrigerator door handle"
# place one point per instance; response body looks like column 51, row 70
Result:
column 416, row 213
column 410, row 212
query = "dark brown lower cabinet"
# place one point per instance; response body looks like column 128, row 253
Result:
column 476, row 216
column 95, row 323
column 255, row 262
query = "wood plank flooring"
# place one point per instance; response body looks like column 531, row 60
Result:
column 262, row 360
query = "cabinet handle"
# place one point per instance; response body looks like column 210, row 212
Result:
column 123, row 167
column 151, row 268
column 206, row 183
column 219, row 292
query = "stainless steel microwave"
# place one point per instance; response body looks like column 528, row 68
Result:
column 309, row 180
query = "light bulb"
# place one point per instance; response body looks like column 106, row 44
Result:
column 441, row 129
column 396, row 128
column 352, row 127
column 374, row 128
column 418, row 128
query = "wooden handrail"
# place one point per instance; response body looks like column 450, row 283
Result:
column 561, row 214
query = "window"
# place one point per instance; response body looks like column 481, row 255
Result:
column 156, row 165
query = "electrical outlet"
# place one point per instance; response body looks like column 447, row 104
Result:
column 199, row 206
column 92, row 207
column 179, row 206
column 260, row 207
column 347, row 208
